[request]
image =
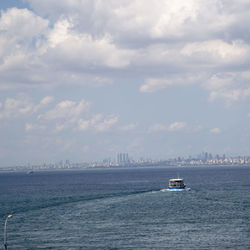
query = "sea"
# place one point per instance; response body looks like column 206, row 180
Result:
column 126, row 208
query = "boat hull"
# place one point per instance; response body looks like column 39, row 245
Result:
column 176, row 188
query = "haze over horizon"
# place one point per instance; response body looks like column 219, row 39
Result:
column 84, row 80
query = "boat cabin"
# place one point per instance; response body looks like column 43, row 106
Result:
column 176, row 183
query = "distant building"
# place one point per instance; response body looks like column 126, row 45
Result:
column 122, row 158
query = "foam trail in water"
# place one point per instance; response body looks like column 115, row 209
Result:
column 174, row 190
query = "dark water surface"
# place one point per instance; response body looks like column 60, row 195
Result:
column 125, row 209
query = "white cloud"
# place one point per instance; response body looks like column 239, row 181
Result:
column 32, row 53
column 156, row 20
column 129, row 127
column 66, row 114
column 22, row 24
column 61, row 126
column 84, row 124
column 66, row 110
column 20, row 32
column 229, row 87
column 156, row 84
column 107, row 123
column 82, row 48
column 68, row 46
column 47, row 100
column 216, row 51
column 44, row 103
column 98, row 122
column 149, row 20
column 22, row 106
column 215, row 131
column 19, row 107
column 153, row 84
column 177, row 126
column 78, row 42
column 31, row 127
column 94, row 42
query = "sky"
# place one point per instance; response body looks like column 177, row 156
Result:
column 83, row 80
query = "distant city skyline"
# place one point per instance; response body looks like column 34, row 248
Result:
column 85, row 80
column 124, row 160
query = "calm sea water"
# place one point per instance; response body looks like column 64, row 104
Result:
column 126, row 209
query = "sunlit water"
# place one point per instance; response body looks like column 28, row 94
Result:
column 127, row 209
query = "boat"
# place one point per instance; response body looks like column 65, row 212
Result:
column 176, row 184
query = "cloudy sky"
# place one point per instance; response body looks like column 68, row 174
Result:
column 85, row 79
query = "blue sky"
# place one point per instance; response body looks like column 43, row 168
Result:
column 85, row 80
